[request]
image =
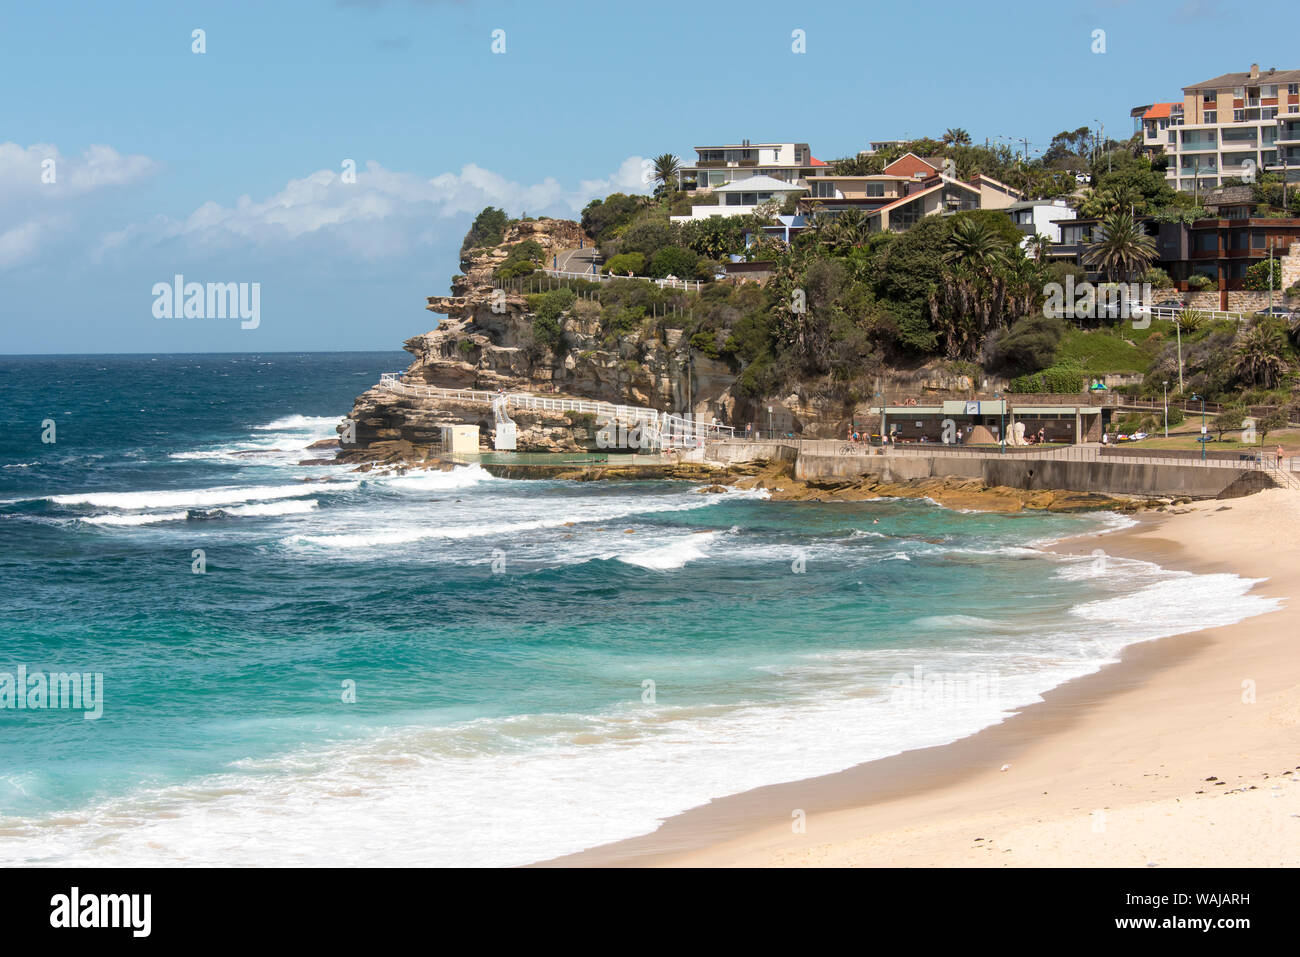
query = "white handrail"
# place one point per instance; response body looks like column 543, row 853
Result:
column 664, row 429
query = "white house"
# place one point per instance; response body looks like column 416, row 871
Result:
column 743, row 197
column 1040, row 217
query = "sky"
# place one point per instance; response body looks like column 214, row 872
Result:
column 128, row 157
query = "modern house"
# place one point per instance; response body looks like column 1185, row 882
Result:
column 717, row 166
column 741, row 197
column 1225, row 245
column 1228, row 126
column 1041, row 217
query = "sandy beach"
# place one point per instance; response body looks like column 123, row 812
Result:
column 1185, row 753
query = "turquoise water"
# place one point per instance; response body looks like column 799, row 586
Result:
column 538, row 666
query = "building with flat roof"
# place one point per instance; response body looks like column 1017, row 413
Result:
column 1229, row 126
column 741, row 197
column 1070, row 423
column 717, row 166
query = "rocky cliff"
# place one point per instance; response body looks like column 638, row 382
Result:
column 488, row 342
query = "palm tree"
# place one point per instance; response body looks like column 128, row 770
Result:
column 1258, row 356
column 972, row 297
column 1124, row 248
column 975, row 245
column 1039, row 246
column 666, row 168
column 956, row 137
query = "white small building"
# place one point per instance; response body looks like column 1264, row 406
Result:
column 743, row 197
column 1041, row 217
column 460, row 439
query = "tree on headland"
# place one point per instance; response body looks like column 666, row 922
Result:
column 488, row 229
column 666, row 168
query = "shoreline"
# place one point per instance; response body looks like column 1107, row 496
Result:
column 1109, row 769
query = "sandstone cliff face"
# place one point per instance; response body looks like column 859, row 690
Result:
column 486, row 342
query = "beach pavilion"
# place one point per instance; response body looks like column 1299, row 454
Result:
column 1059, row 423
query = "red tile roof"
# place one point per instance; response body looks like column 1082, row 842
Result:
column 816, row 162
column 1160, row 111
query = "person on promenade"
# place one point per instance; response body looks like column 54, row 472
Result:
column 1279, row 456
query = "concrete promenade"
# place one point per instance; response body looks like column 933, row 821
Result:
column 1081, row 468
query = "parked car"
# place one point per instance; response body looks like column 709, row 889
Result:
column 1280, row 312
column 1170, row 304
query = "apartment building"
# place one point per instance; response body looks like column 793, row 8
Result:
column 1227, row 127
column 719, row 165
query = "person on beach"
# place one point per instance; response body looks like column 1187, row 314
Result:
column 1279, row 456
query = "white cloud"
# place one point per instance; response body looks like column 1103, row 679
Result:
column 41, row 172
column 382, row 212
column 39, row 189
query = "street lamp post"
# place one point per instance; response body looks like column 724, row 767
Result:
column 1002, row 427
column 1204, row 433
column 1166, row 395
column 769, row 422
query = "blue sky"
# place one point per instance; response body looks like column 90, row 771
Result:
column 225, row 166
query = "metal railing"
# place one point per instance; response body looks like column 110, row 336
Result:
column 660, row 429
column 689, row 285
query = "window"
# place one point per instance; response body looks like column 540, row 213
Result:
column 1239, row 116
column 1293, row 88
column 875, row 189
column 1257, row 239
column 1211, row 116
column 1206, row 242
column 1270, row 90
column 1268, row 113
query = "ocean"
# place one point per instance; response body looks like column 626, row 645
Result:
column 303, row 664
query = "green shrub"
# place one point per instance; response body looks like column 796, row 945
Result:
column 513, row 270
column 529, row 249
column 625, row 263
column 673, row 261
column 1059, row 379
column 1200, row 282
column 1157, row 278
column 1258, row 275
